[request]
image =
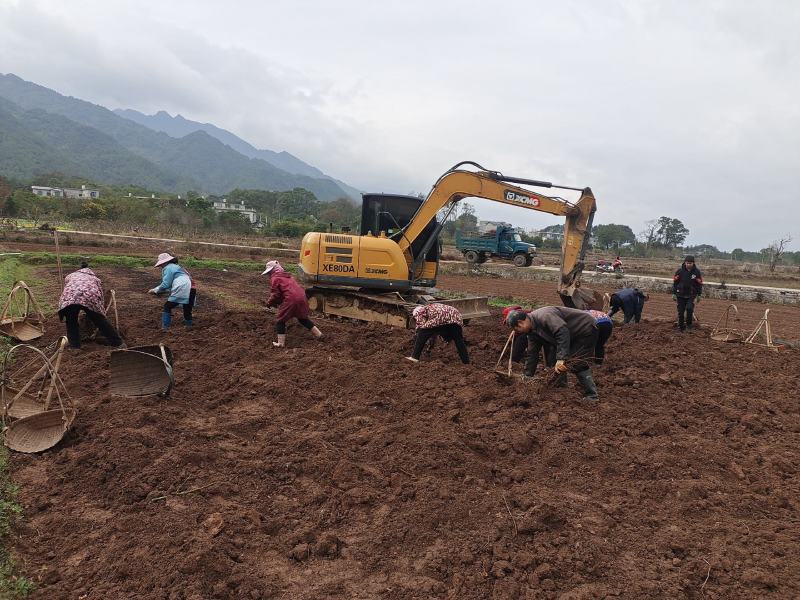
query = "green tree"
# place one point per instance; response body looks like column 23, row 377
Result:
column 342, row 211
column 671, row 232
column 199, row 205
column 93, row 210
column 613, row 235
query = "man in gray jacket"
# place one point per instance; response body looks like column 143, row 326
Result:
column 571, row 332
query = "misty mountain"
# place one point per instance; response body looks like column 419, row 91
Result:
column 35, row 142
column 198, row 160
column 178, row 127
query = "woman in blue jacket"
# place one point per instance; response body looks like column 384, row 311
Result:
column 181, row 289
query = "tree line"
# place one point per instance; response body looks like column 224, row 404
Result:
column 294, row 212
column 288, row 213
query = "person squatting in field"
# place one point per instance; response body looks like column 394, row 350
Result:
column 687, row 285
column 182, row 291
column 572, row 332
column 83, row 291
column 442, row 320
column 290, row 298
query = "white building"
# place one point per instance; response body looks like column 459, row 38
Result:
column 223, row 206
column 54, row 192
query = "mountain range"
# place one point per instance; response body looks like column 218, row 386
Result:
column 42, row 131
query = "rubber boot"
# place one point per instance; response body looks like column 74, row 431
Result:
column 166, row 321
column 281, row 343
column 316, row 332
column 587, row 383
column 188, row 323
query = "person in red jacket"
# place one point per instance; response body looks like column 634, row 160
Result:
column 290, row 298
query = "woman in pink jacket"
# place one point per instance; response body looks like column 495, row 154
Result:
column 442, row 320
column 290, row 298
column 83, row 291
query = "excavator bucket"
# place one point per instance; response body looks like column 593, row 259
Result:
column 470, row 308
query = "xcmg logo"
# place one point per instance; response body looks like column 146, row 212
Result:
column 512, row 196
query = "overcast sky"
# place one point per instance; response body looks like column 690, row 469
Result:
column 679, row 108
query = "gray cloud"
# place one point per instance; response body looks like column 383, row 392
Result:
column 664, row 108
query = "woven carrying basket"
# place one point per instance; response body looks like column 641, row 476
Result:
column 39, row 432
column 21, row 319
column 141, row 371
column 24, row 406
column 23, row 329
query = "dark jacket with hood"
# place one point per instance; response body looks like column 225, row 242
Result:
column 629, row 300
column 687, row 283
column 570, row 331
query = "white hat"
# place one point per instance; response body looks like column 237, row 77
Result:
column 270, row 266
column 164, row 258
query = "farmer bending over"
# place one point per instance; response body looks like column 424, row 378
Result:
column 83, row 291
column 181, row 288
column 572, row 332
column 290, row 297
column 442, row 320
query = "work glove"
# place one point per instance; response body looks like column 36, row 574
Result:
column 697, row 300
column 560, row 367
column 154, row 291
column 674, row 297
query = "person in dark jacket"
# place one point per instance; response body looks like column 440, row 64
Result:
column 290, row 298
column 572, row 332
column 441, row 320
column 630, row 301
column 687, row 285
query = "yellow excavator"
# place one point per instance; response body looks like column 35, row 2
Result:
column 391, row 267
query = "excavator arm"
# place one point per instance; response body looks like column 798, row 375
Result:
column 457, row 184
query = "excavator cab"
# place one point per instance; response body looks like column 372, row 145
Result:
column 390, row 213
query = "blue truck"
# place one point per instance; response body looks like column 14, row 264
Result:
column 502, row 241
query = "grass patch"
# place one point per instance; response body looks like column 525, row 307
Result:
column 494, row 301
column 11, row 271
column 70, row 261
column 11, row 585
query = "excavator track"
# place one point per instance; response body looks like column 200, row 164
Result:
column 390, row 309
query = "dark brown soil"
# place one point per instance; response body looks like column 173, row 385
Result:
column 337, row 469
column 785, row 319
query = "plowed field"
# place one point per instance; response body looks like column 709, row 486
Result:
column 336, row 469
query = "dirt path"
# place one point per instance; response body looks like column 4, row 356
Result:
column 339, row 470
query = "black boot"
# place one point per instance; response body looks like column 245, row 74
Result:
column 587, row 383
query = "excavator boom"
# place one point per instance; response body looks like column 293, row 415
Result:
column 456, row 184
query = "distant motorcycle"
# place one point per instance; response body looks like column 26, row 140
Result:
column 603, row 266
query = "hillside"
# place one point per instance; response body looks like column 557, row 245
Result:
column 35, row 142
column 183, row 160
column 179, row 126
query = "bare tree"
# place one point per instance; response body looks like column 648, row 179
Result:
column 650, row 232
column 776, row 249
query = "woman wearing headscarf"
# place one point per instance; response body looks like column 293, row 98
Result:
column 83, row 291
column 290, row 298
column 442, row 320
column 181, row 288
